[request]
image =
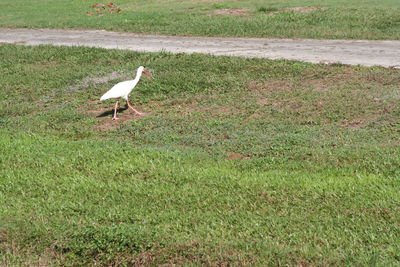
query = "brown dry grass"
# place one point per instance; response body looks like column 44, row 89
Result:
column 16, row 256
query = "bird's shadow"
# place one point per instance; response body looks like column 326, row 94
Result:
column 111, row 112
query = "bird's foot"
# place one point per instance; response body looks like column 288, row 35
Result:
column 115, row 118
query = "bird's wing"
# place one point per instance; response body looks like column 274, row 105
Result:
column 121, row 89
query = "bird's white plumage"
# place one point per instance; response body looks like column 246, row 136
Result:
column 123, row 89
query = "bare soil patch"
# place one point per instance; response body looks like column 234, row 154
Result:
column 3, row 235
column 297, row 10
column 270, row 86
column 304, row 9
column 107, row 124
column 313, row 80
column 362, row 120
column 234, row 155
column 340, row 96
column 169, row 256
column 263, row 101
column 104, row 116
column 213, row 111
column 204, row 104
column 190, row 254
column 100, row 9
column 241, row 12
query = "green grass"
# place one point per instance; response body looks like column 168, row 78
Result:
column 337, row 19
column 242, row 161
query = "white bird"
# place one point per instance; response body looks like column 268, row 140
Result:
column 123, row 89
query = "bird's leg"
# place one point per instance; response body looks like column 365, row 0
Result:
column 115, row 111
column 137, row 112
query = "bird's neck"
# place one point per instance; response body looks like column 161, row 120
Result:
column 138, row 75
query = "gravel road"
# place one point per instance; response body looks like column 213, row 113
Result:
column 352, row 52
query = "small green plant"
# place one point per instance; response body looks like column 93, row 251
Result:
column 267, row 9
column 219, row 6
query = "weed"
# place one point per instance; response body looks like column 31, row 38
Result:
column 267, row 9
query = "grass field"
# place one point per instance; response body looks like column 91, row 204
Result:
column 332, row 19
column 242, row 161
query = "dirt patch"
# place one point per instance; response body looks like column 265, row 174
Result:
column 99, row 9
column 303, row 263
column 104, row 115
column 263, row 101
column 107, row 124
column 339, row 96
column 168, row 256
column 213, row 111
column 197, row 104
column 278, row 95
column 321, row 82
column 240, row 12
column 314, row 80
column 234, row 155
column 387, row 214
column 319, row 85
column 297, row 10
column 255, row 116
column 3, row 235
column 356, row 123
column 270, row 86
column 223, row 110
column 93, row 108
column 303, row 9
column 191, row 254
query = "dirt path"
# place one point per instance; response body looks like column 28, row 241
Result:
column 353, row 52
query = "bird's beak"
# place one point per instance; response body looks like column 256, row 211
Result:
column 145, row 72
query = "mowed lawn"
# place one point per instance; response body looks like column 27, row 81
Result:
column 242, row 161
column 331, row 19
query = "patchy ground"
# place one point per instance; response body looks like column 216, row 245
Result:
column 100, row 9
column 304, row 9
column 242, row 161
column 231, row 12
column 295, row 9
column 104, row 115
column 305, row 98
